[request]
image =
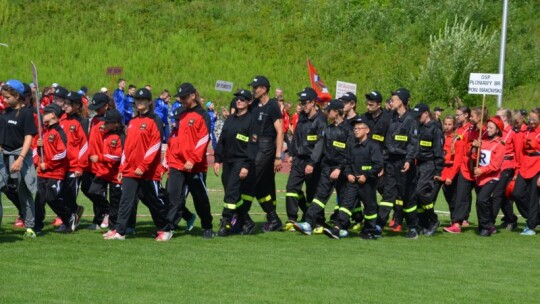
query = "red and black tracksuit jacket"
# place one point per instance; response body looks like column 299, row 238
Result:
column 530, row 154
column 77, row 143
column 110, row 156
column 95, row 144
column 54, row 153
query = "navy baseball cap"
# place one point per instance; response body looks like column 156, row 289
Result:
column 185, row 89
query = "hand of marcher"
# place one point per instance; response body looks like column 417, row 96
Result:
column 119, row 177
column 139, row 172
column 406, row 167
column 40, row 142
column 381, row 173
column 94, row 158
column 362, row 179
column 448, row 182
column 77, row 173
column 243, row 173
column 308, row 170
column 277, row 165
column 16, row 166
column 216, row 168
column 42, row 166
column 351, row 178
column 335, row 174
column 477, row 172
column 188, row 166
column 477, row 143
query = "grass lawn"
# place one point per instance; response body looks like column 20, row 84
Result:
column 265, row 268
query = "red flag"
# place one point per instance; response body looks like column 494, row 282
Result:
column 317, row 84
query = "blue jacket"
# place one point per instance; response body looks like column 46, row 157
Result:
column 213, row 119
column 118, row 97
column 161, row 108
column 176, row 104
column 129, row 103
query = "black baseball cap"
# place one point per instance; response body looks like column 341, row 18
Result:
column 243, row 94
column 419, row 109
column 111, row 115
column 61, row 92
column 307, row 94
column 334, row 104
column 53, row 108
column 27, row 90
column 438, row 109
column 360, row 120
column 185, row 89
column 349, row 96
column 99, row 100
column 143, row 93
column 74, row 97
column 403, row 94
column 260, row 81
column 374, row 96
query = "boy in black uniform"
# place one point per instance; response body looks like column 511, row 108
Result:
column 268, row 135
column 365, row 163
column 311, row 123
column 332, row 149
column 402, row 144
column 429, row 163
column 234, row 152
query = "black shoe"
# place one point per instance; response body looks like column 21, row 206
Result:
column 485, row 232
column 224, row 229
column 248, row 228
column 432, row 229
column 208, row 234
column 332, row 233
column 80, row 210
column 412, row 234
column 367, row 236
column 273, row 224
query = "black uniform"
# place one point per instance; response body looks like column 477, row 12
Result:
column 235, row 152
column 402, row 145
column 308, row 132
column 429, row 163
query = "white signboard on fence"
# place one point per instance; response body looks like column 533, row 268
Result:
column 344, row 87
column 488, row 84
column 224, row 86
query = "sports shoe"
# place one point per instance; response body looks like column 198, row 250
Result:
column 57, row 222
column 367, row 236
column 492, row 230
column 356, row 228
column 273, row 225
column 72, row 224
column 19, row 223
column 412, row 234
column 510, row 226
column 378, row 232
column 115, row 236
column 190, row 223
column 304, row 228
column 208, row 234
column 105, row 222
column 61, row 228
column 392, row 223
column 343, row 233
column 465, row 223
column 485, row 232
column 164, row 236
column 109, row 233
column 249, row 227
column 93, row 227
column 318, row 230
column 432, row 229
column 332, row 232
column 80, row 211
column 29, row 233
column 455, row 228
column 396, row 228
column 288, row 226
column 224, row 229
column 528, row 231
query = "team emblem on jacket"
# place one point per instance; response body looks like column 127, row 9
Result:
column 114, row 143
column 191, row 122
column 102, row 128
column 72, row 128
column 52, row 137
column 142, row 127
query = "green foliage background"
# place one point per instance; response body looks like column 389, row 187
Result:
column 378, row 44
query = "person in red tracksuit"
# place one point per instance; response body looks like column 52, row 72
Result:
column 100, row 104
column 451, row 165
column 186, row 158
column 74, row 127
column 140, row 160
column 488, row 172
column 52, row 169
column 527, row 188
column 465, row 179
column 464, row 127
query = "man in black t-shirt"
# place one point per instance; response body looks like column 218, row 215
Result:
column 268, row 136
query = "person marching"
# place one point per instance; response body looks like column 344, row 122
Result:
column 330, row 151
column 487, row 173
column 402, row 144
column 186, row 158
column 140, row 160
column 234, row 153
column 451, row 163
column 50, row 157
column 365, row 163
column 18, row 162
column 527, row 188
column 268, row 135
column 304, row 169
column 429, row 164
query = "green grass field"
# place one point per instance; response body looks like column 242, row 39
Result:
column 279, row 267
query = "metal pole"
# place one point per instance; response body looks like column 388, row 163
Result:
column 502, row 51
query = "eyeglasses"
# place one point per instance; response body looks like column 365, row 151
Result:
column 242, row 99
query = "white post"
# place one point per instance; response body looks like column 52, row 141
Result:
column 502, row 51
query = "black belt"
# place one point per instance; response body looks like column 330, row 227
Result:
column 534, row 154
column 508, row 157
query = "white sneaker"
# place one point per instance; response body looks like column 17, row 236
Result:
column 105, row 222
column 109, row 233
column 164, row 236
column 116, row 236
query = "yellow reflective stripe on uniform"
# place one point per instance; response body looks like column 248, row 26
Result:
column 401, row 137
column 367, row 167
column 229, row 206
column 292, row 194
column 311, row 137
column 430, row 206
column 358, row 209
column 338, row 144
column 378, row 137
column 242, row 137
column 246, row 197
column 410, row 209
column 399, row 202
column 301, row 195
column 424, row 143
column 318, row 202
column 370, row 216
column 386, row 204
column 336, row 207
column 265, row 199
column 345, row 210
column 420, row 210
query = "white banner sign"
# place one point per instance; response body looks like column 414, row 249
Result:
column 344, row 87
column 488, row 84
column 224, row 86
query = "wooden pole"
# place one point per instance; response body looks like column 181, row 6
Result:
column 480, row 131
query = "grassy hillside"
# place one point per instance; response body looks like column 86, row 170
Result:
column 377, row 44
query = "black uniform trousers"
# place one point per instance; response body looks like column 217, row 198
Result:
column 99, row 202
column 236, row 191
column 425, row 193
column 265, row 177
column 70, row 190
column 484, row 204
column 449, row 193
column 351, row 196
column 130, row 189
column 501, row 202
column 527, row 195
column 315, row 212
column 182, row 214
column 463, row 199
column 176, row 187
column 99, row 187
column 49, row 193
column 294, row 197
